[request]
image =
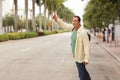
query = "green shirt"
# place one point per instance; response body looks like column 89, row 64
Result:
column 73, row 41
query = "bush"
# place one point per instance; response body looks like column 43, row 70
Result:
column 48, row 32
column 31, row 34
column 14, row 36
column 55, row 32
column 20, row 35
column 3, row 37
column 40, row 33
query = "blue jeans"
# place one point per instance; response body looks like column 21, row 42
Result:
column 83, row 73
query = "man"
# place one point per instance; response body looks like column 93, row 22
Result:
column 80, row 45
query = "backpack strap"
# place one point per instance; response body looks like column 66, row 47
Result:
column 72, row 28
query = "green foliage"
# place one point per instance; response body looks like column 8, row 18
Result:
column 48, row 32
column 42, row 33
column 16, row 36
column 3, row 37
column 30, row 34
column 20, row 35
column 65, row 13
column 30, row 24
column 21, row 24
column 97, row 12
column 52, row 5
column 57, row 5
column 42, row 19
column 8, row 20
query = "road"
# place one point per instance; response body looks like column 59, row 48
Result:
column 49, row 57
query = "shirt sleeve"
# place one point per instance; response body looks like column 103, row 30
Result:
column 64, row 25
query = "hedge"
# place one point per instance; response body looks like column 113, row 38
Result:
column 20, row 35
column 3, row 37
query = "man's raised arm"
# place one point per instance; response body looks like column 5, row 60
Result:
column 62, row 24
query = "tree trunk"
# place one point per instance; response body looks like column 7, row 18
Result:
column 26, row 13
column 52, row 21
column 48, row 20
column 0, row 16
column 33, row 20
column 40, row 17
column 45, row 15
column 15, row 15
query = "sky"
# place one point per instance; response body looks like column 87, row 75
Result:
column 9, row 5
column 77, row 6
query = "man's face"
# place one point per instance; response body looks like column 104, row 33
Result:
column 75, row 22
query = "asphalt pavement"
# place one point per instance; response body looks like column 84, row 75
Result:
column 50, row 57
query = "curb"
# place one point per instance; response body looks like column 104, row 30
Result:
column 117, row 59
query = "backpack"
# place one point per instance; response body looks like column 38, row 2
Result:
column 89, row 36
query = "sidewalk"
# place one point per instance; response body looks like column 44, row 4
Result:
column 113, row 49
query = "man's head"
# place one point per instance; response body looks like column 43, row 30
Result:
column 76, row 22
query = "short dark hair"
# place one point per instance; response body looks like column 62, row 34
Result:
column 79, row 19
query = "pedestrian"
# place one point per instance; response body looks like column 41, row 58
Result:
column 100, row 37
column 104, row 39
column 79, row 43
column 108, row 35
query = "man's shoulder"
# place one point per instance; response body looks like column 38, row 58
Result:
column 81, row 30
column 84, row 32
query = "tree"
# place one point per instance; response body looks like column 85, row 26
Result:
column 40, row 16
column 0, row 16
column 45, row 7
column 26, row 13
column 8, row 20
column 33, row 19
column 97, row 12
column 117, row 6
column 39, row 3
column 65, row 13
column 15, row 15
column 51, row 5
column 21, row 25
